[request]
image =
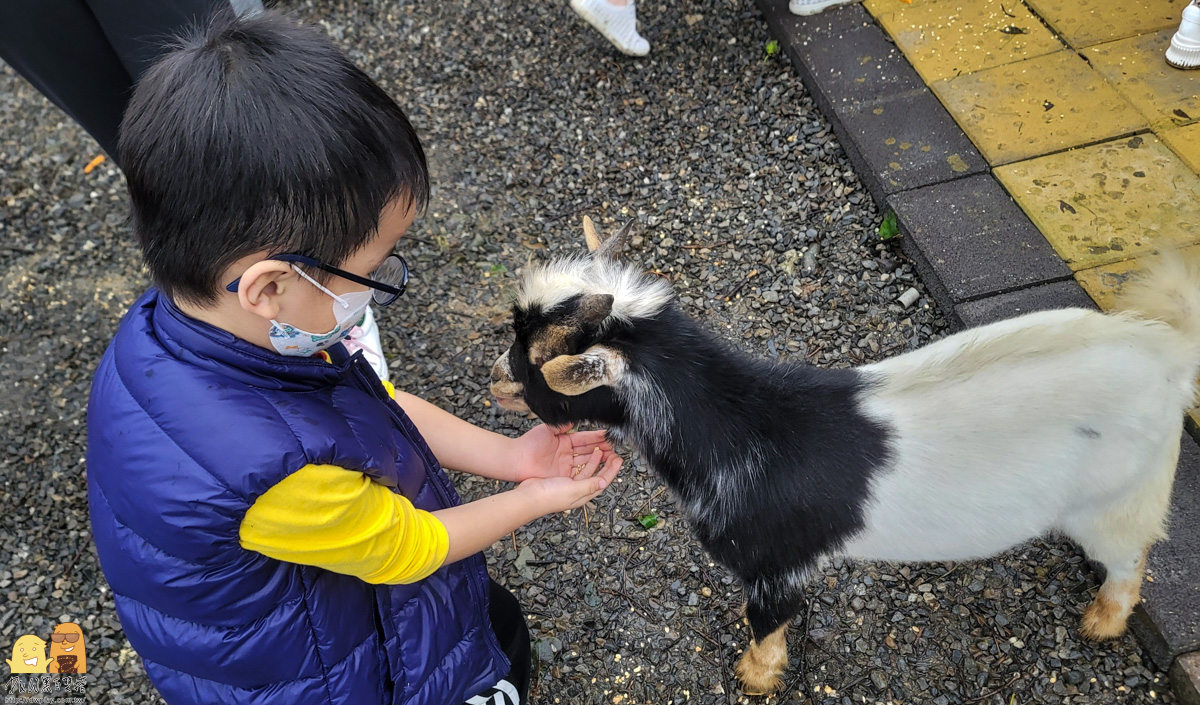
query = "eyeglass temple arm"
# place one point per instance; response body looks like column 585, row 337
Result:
column 301, row 259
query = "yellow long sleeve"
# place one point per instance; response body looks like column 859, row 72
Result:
column 338, row 519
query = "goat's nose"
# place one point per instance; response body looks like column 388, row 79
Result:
column 500, row 372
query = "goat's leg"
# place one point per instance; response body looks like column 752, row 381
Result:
column 1118, row 537
column 770, row 607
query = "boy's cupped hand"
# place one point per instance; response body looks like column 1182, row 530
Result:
column 584, row 481
column 550, row 451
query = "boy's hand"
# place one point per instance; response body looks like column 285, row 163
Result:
column 577, row 487
column 548, row 451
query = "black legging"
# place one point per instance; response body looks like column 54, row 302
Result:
column 85, row 55
column 508, row 621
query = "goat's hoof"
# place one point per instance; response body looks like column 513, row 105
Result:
column 1103, row 620
column 757, row 678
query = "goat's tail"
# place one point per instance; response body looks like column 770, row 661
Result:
column 1168, row 291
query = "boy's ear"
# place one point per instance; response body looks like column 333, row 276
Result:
column 261, row 286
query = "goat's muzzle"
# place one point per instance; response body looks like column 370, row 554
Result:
column 509, row 393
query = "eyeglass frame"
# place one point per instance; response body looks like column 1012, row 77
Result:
column 394, row 291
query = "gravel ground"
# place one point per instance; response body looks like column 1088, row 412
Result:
column 748, row 205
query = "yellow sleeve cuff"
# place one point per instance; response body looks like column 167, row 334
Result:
column 338, row 519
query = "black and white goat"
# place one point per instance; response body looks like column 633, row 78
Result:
column 1064, row 421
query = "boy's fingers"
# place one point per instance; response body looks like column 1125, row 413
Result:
column 611, row 468
column 579, row 466
column 587, row 439
column 593, row 464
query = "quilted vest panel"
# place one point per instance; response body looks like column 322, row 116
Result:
column 187, row 426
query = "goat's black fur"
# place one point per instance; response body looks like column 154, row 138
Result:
column 771, row 462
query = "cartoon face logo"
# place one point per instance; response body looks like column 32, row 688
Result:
column 67, row 653
column 29, row 655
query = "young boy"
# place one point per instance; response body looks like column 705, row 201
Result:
column 275, row 527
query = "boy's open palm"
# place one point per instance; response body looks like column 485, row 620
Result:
column 585, row 481
column 548, row 451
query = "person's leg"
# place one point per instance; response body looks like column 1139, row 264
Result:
column 1184, row 52
column 617, row 21
column 508, row 622
column 812, row 7
column 59, row 47
column 139, row 30
column 85, row 55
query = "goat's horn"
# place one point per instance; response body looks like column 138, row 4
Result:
column 613, row 246
column 589, row 233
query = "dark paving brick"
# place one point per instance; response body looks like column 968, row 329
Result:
column 906, row 142
column 976, row 240
column 1038, row 298
column 1168, row 620
column 1185, row 679
column 842, row 53
column 894, row 130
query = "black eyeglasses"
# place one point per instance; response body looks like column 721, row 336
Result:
column 389, row 280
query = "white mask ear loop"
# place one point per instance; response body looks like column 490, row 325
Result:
column 340, row 300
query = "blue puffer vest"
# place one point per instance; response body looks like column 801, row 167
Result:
column 187, row 426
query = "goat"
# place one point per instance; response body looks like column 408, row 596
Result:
column 1064, row 421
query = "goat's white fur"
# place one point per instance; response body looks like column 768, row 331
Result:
column 634, row 294
column 1080, row 415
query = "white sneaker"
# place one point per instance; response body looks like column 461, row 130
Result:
column 618, row 24
column 1184, row 52
column 812, row 7
column 366, row 338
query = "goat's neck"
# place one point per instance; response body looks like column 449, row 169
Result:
column 685, row 399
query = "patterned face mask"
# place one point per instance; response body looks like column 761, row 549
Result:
column 348, row 310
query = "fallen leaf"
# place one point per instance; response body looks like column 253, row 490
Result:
column 1013, row 29
column 522, row 562
column 889, row 228
column 648, row 521
column 1063, row 206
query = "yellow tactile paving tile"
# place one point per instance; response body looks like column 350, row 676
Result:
column 1037, row 106
column 1108, row 202
column 1086, row 22
column 1166, row 96
column 1184, row 142
column 948, row 38
column 1105, row 283
column 882, row 7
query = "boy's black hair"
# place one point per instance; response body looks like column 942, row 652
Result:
column 259, row 134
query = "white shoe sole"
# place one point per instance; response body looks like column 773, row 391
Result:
column 805, row 10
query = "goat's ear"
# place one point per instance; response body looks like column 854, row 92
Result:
column 589, row 234
column 594, row 308
column 573, row 375
column 612, row 247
